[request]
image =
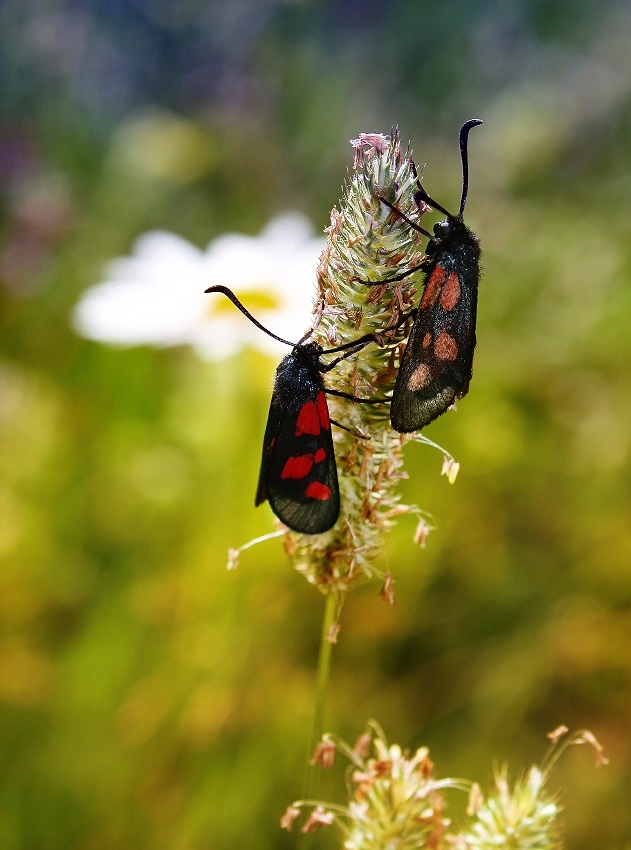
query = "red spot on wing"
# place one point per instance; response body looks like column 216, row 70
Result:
column 319, row 491
column 432, row 289
column 419, row 378
column 298, row 466
column 445, row 347
column 323, row 411
column 308, row 421
column 319, row 456
column 451, row 292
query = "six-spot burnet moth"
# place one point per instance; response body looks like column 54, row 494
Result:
column 437, row 364
column 298, row 473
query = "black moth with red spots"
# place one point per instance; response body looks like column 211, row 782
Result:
column 437, row 364
column 298, row 472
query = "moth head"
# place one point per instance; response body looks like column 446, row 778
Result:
column 442, row 229
column 308, row 352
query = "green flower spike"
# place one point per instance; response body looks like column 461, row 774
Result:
column 526, row 816
column 366, row 241
column 396, row 803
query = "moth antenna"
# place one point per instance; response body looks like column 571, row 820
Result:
column 357, row 344
column 463, row 138
column 230, row 294
column 421, row 194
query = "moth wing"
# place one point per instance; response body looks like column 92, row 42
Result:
column 437, row 364
column 298, row 471
column 274, row 423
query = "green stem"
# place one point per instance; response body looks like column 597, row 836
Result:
column 322, row 681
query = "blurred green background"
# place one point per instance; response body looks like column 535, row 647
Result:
column 148, row 697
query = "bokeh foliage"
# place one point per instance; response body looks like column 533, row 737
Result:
column 148, row 697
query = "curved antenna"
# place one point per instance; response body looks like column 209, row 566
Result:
column 421, row 194
column 230, row 294
column 357, row 344
column 463, row 137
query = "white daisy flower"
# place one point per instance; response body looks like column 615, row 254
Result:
column 156, row 296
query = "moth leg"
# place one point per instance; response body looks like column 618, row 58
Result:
column 350, row 430
column 392, row 279
column 354, row 398
column 405, row 218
